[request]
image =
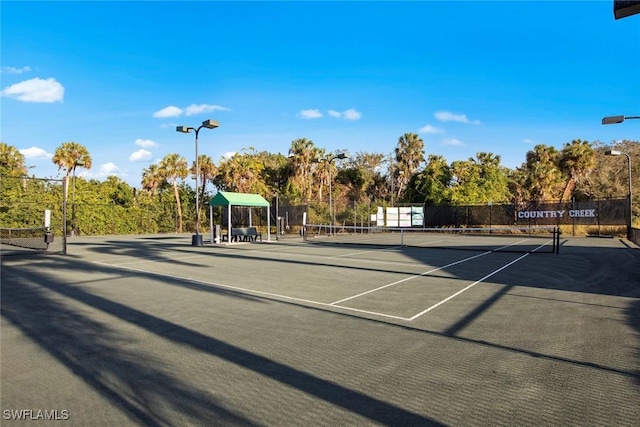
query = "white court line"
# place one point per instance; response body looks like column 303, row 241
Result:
column 468, row 287
column 392, row 248
column 412, row 318
column 409, row 278
column 428, row 272
column 152, row 259
column 332, row 305
column 249, row 291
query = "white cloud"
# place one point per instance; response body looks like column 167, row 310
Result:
column 530, row 141
column 173, row 111
column 310, row 114
column 36, row 90
column 139, row 155
column 169, row 125
column 447, row 116
column 430, row 129
column 203, row 108
column 145, row 143
column 454, row 142
column 228, row 155
column 14, row 70
column 110, row 169
column 35, row 153
column 352, row 114
column 170, row 111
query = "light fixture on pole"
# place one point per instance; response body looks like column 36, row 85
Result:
column 196, row 239
column 612, row 120
column 76, row 163
column 629, row 218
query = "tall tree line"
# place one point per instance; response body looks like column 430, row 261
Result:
column 579, row 170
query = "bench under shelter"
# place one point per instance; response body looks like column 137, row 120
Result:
column 231, row 199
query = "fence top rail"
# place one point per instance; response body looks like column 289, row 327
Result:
column 32, row 178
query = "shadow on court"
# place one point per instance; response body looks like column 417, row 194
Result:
column 598, row 270
column 149, row 393
column 137, row 384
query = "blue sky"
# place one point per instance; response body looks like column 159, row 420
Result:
column 492, row 76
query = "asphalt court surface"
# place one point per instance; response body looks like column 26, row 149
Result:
column 149, row 330
column 391, row 282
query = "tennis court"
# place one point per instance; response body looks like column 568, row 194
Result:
column 335, row 331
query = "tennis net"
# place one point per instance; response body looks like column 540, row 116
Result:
column 27, row 238
column 496, row 239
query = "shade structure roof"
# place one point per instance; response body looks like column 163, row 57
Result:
column 227, row 198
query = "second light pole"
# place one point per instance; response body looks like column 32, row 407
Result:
column 76, row 163
column 630, row 217
column 332, row 218
column 196, row 239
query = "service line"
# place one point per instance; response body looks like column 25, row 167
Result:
column 409, row 278
column 465, row 289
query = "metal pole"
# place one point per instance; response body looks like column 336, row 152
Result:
column 73, row 203
column 630, row 224
column 330, row 207
column 392, row 189
column 197, row 195
column 65, row 186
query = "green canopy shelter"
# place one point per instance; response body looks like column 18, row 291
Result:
column 228, row 199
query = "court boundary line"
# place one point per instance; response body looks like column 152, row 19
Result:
column 450, row 297
column 249, row 291
column 410, row 278
column 435, row 269
column 333, row 304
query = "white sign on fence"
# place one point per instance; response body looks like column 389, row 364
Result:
column 405, row 216
column 392, row 217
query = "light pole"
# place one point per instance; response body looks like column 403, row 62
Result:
column 620, row 153
column 76, row 163
column 610, row 120
column 196, row 239
column 277, row 218
column 331, row 213
column 613, row 120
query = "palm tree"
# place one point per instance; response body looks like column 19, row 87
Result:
column 409, row 155
column 303, row 152
column 70, row 155
column 242, row 173
column 543, row 177
column 174, row 167
column 320, row 177
column 12, row 160
column 208, row 171
column 577, row 160
column 151, row 178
